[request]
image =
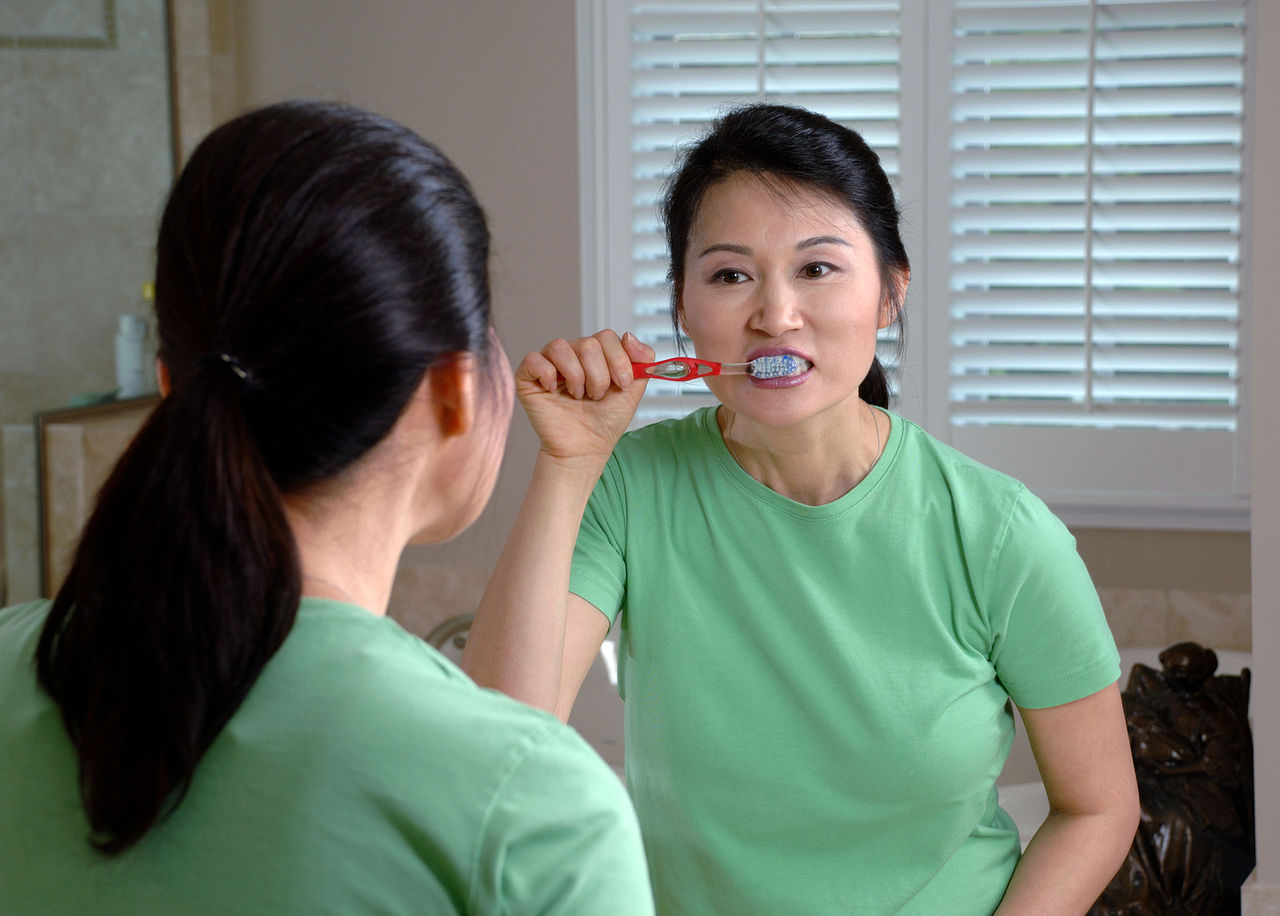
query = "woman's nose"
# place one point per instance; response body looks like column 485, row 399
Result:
column 777, row 310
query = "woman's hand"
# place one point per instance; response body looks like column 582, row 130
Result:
column 581, row 394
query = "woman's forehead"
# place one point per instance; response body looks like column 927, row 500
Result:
column 747, row 199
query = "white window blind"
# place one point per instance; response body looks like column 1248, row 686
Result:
column 1095, row 209
column 690, row 62
column 1096, row 166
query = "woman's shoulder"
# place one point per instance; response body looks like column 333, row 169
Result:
column 426, row 723
column 371, row 677
column 928, row 456
column 986, row 502
column 20, row 626
column 20, row 618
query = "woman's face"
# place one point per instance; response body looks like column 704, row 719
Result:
column 779, row 268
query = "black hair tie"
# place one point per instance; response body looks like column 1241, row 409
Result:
column 227, row 360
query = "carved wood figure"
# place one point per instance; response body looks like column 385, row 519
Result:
column 1193, row 753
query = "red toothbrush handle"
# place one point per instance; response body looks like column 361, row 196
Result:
column 677, row 369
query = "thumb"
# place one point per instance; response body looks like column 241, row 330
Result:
column 639, row 352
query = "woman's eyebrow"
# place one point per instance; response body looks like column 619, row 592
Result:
column 744, row 250
column 725, row 246
column 822, row 240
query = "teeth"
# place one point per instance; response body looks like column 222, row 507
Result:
column 778, row 366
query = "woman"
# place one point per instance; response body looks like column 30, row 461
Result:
column 825, row 612
column 214, row 714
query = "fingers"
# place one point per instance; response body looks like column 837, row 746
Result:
column 595, row 363
column 539, row 369
column 588, row 366
column 567, row 363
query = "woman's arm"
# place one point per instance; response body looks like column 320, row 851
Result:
column 1082, row 750
column 524, row 640
column 531, row 639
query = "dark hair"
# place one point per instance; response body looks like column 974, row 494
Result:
column 795, row 146
column 313, row 261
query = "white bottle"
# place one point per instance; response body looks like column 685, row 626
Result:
column 131, row 361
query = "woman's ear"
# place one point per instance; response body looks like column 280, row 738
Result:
column 895, row 296
column 680, row 314
column 162, row 378
column 450, row 386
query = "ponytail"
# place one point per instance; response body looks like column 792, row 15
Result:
column 313, row 261
column 185, row 582
column 874, row 389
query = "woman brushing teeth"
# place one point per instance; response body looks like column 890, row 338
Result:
column 825, row 611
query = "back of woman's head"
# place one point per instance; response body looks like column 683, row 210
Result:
column 313, row 261
column 789, row 146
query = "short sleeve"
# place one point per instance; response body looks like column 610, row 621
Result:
column 599, row 570
column 1050, row 640
column 561, row 838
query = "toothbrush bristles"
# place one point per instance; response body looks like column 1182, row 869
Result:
column 778, row 366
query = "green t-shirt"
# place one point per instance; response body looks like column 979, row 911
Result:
column 817, row 697
column 364, row 773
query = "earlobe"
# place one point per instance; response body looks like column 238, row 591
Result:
column 162, row 379
column 888, row 313
column 450, row 385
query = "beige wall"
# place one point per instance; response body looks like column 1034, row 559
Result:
column 1162, row 587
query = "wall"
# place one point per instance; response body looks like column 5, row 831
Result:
column 84, row 166
column 1162, row 587
column 493, row 84
column 1264, row 379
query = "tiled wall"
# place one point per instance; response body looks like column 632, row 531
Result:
column 1161, row 617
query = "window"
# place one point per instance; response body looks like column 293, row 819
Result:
column 1071, row 179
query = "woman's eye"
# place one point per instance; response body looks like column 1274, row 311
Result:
column 729, row 276
column 815, row 270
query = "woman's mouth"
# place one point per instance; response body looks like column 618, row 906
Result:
column 778, row 368
column 780, row 365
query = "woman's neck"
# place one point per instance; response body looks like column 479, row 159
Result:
column 349, row 546
column 814, row 463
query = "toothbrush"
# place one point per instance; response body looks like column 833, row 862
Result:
column 686, row 368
